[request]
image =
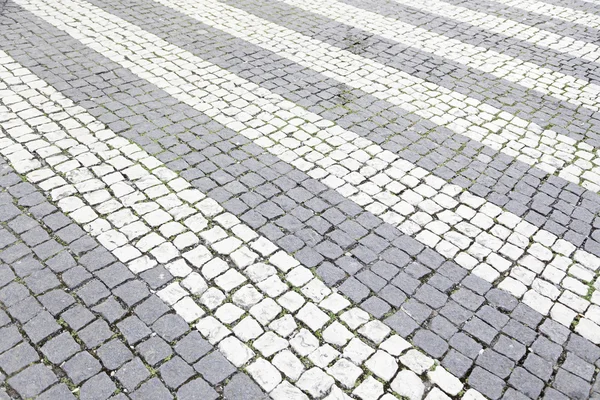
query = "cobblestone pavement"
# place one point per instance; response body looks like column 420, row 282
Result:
column 299, row 199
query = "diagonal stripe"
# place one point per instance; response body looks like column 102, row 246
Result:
column 354, row 149
column 495, row 190
column 531, row 19
column 575, row 122
column 529, row 75
column 553, row 11
column 531, row 34
column 590, row 6
column 108, row 162
column 526, row 141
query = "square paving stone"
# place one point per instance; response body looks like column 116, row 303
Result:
column 547, row 349
column 97, row 259
column 417, row 310
column 92, row 292
column 75, row 276
column 480, row 330
column 170, row 327
column 41, row 326
column 214, row 367
column 81, row 367
column 95, row 333
column 113, row 354
column 14, row 253
column 465, row 345
column 526, row 383
column 571, row 385
column 555, row 331
column 82, row 245
column 110, row 309
column 4, row 319
column 70, row 233
column 26, row 266
column 154, row 350
column 9, row 336
column 509, row 348
column 467, row 299
column 406, row 283
column 355, row 290
column 25, row 310
column 132, row 292
column 151, row 309
column 152, row 390
column 56, row 301
column 192, row 346
column 402, row 323
column 431, row 343
column 61, row 262
column 486, row 383
column 22, row 223
column 35, row 236
column 456, row 363
column 47, row 249
column 41, row 281
column 77, row 317
column 539, row 367
column 240, row 386
column 134, row 330
column 58, row 392
column 114, row 275
column 442, row 327
column 394, row 296
column 59, row 348
column 98, row 387
column 13, row 293
column 526, row 315
column 583, row 348
column 197, row 389
column 56, row 221
column 6, row 275
column 157, row 277
column 17, row 358
column 519, row 332
column 32, row 380
column 496, row 363
column 375, row 306
column 132, row 374
column 578, row 366
column 175, row 372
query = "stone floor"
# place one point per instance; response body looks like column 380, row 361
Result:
column 299, row 199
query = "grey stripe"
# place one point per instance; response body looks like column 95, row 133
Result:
column 561, row 116
column 560, row 27
column 582, row 5
column 480, row 37
column 564, row 209
column 258, row 185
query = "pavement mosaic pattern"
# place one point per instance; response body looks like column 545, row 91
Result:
column 299, row 199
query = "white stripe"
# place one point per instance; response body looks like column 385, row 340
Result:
column 107, row 161
column 510, row 28
column 553, row 11
column 526, row 74
column 404, row 195
column 526, row 141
